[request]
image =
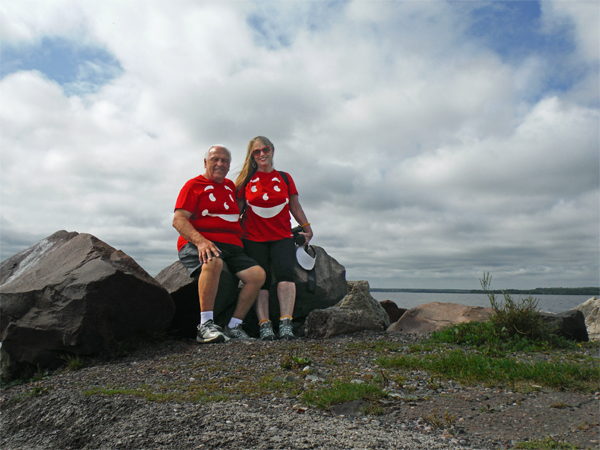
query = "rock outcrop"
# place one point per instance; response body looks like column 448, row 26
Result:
column 331, row 286
column 74, row 294
column 591, row 312
column 357, row 311
column 434, row 316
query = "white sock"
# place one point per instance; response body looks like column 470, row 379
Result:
column 205, row 316
column 234, row 322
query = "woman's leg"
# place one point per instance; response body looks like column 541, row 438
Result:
column 283, row 257
column 286, row 292
column 259, row 251
column 262, row 305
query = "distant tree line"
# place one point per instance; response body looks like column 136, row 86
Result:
column 547, row 291
column 592, row 291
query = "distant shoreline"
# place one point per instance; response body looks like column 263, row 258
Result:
column 592, row 291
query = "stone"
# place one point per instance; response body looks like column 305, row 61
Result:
column 184, row 292
column 568, row 324
column 357, row 311
column 392, row 310
column 434, row 316
column 591, row 311
column 74, row 294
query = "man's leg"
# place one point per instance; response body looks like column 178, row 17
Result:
column 208, row 284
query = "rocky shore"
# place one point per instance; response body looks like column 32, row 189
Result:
column 176, row 394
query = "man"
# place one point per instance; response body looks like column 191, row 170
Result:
column 207, row 219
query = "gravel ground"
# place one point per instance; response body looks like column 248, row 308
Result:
column 178, row 395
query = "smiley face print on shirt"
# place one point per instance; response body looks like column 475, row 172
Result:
column 266, row 195
column 219, row 199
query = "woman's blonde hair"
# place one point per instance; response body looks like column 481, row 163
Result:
column 250, row 167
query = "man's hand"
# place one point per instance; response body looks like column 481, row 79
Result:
column 207, row 250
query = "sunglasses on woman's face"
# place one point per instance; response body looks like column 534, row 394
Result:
column 264, row 150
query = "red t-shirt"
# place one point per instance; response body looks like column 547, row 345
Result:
column 215, row 213
column 267, row 215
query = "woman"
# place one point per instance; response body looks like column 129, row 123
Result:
column 267, row 198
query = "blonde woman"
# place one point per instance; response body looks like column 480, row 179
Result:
column 267, row 197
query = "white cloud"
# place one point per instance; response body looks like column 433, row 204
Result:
column 422, row 158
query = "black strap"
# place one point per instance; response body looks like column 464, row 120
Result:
column 285, row 178
column 311, row 285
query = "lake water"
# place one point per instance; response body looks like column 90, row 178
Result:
column 550, row 303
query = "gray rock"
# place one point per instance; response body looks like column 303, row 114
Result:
column 184, row 292
column 434, row 316
column 359, row 298
column 74, row 294
column 568, row 324
column 355, row 312
column 331, row 286
column 591, row 310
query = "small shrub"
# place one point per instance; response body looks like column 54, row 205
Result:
column 516, row 318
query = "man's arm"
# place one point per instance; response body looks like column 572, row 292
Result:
column 206, row 249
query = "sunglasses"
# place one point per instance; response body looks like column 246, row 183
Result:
column 264, row 150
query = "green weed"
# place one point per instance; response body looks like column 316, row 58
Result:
column 294, row 359
column 73, row 362
column 545, row 444
column 445, row 421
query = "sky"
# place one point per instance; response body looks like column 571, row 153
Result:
column 430, row 141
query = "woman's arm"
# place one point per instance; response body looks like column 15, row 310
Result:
column 298, row 213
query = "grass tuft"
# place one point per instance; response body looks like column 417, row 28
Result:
column 341, row 392
column 479, row 368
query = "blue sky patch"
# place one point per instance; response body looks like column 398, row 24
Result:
column 276, row 27
column 79, row 69
column 514, row 31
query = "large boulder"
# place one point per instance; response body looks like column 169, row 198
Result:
column 184, row 292
column 434, row 316
column 357, row 311
column 74, row 294
column 591, row 312
column 330, row 288
column 568, row 324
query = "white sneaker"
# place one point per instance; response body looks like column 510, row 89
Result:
column 210, row 333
